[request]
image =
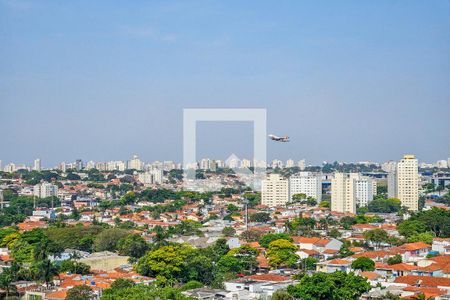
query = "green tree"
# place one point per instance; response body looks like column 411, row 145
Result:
column 260, row 217
column 281, row 294
column 425, row 237
column 390, row 205
column 75, row 267
column 334, row 286
column 238, row 260
column 376, row 236
column 193, row 284
column 394, row 259
column 411, row 227
column 132, row 245
column 228, row 231
column 7, row 278
column 140, row 292
column 298, row 197
column 231, row 208
column 80, row 292
column 363, row 264
column 122, row 283
column 270, row 237
column 44, row 271
column 165, row 263
column 347, row 222
column 308, row 263
column 282, row 253
column 108, row 239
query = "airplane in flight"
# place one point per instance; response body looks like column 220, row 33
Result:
column 283, row 139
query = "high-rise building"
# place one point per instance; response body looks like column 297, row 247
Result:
column 343, row 196
column 302, row 164
column 45, row 189
column 392, row 183
column 442, row 164
column 233, row 161
column 306, row 183
column 246, row 163
column 90, row 165
column 78, row 164
column 289, row 163
column 135, row 163
column 157, row 175
column 9, row 168
column 205, row 164
column 364, row 190
column 37, row 165
column 220, row 163
column 408, row 182
column 277, row 164
column 274, row 190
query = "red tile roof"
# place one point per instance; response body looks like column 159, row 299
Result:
column 268, row 277
column 425, row 281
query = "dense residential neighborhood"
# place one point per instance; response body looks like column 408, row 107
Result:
column 129, row 230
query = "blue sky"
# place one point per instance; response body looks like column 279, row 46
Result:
column 102, row 80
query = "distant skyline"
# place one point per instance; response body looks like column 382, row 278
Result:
column 347, row 81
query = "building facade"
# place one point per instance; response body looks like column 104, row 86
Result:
column 408, row 182
column 342, row 192
column 306, row 183
column 274, row 190
column 45, row 189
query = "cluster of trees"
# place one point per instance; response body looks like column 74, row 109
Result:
column 333, row 286
column 382, row 205
column 22, row 206
column 301, row 226
column 426, row 224
column 303, row 199
column 347, row 221
column 126, row 289
column 30, row 252
column 173, row 263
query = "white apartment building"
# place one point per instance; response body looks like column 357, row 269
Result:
column 9, row 168
column 135, row 163
column 392, row 183
column 343, row 196
column 157, row 175
column 220, row 163
column 116, row 165
column 205, row 164
column 37, row 165
column 302, row 164
column 246, row 163
column 441, row 164
column 306, row 183
column 154, row 176
column 289, row 163
column 408, row 182
column 277, row 164
column 45, row 189
column 274, row 190
column 365, row 189
column 351, row 190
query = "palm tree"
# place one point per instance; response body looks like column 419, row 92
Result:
column 45, row 270
column 6, row 280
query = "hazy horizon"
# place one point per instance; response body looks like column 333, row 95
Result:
column 347, row 81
